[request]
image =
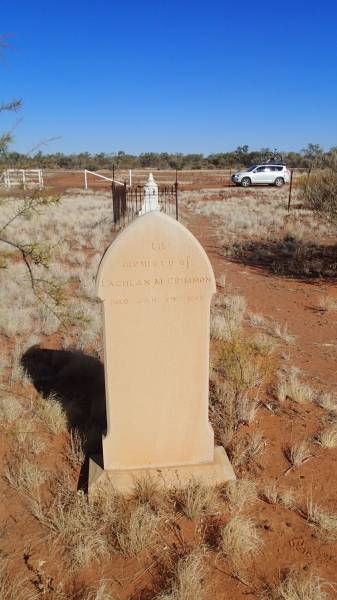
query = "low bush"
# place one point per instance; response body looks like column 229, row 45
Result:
column 320, row 193
column 243, row 364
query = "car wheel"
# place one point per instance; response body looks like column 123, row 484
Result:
column 279, row 181
column 245, row 182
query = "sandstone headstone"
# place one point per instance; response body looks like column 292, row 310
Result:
column 156, row 284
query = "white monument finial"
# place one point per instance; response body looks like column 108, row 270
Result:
column 151, row 196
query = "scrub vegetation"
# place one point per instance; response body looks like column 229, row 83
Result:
column 260, row 535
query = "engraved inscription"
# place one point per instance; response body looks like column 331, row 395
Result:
column 148, row 263
column 158, row 246
column 158, row 300
column 156, row 281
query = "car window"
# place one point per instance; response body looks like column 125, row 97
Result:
column 262, row 169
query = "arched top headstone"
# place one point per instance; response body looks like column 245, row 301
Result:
column 156, row 284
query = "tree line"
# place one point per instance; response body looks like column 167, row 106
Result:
column 311, row 156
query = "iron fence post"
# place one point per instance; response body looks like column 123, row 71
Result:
column 176, row 195
column 290, row 187
column 307, row 181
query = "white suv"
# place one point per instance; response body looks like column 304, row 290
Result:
column 262, row 174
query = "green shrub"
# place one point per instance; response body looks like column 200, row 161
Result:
column 243, row 364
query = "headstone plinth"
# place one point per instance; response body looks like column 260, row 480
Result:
column 156, row 285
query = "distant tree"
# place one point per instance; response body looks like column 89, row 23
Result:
column 313, row 155
column 242, row 149
column 330, row 158
column 293, row 159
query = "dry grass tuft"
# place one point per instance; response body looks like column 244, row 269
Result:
column 239, row 537
column 328, row 437
column 275, row 495
column 221, row 281
column 298, row 586
column 256, row 445
column 223, row 412
column 100, row 593
column 293, row 230
column 264, row 344
column 23, row 476
column 10, row 409
column 227, row 324
column 74, row 524
column 246, row 450
column 218, row 327
column 35, row 444
column 281, row 390
column 22, row 430
column 51, row 413
column 246, row 409
column 257, row 320
column 300, row 392
column 327, row 401
column 239, row 493
column 195, row 499
column 13, row 587
column 326, row 303
column 75, row 451
column 293, row 389
column 136, row 530
column 323, row 519
column 281, row 332
column 235, row 308
column 147, row 490
column 298, row 453
column 18, row 372
column 186, row 580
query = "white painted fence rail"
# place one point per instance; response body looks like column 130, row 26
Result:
column 23, row 178
column 86, row 171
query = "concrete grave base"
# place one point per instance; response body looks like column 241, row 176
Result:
column 219, row 471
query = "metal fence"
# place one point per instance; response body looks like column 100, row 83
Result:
column 127, row 202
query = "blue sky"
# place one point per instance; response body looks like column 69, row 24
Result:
column 170, row 76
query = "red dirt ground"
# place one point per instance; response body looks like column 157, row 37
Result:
column 289, row 541
column 188, row 180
